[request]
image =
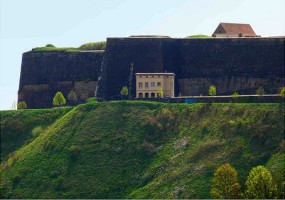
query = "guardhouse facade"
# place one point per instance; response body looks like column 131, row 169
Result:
column 149, row 85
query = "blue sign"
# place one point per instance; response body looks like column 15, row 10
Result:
column 190, row 100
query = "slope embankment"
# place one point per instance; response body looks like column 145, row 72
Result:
column 140, row 149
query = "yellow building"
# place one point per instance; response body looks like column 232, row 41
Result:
column 149, row 84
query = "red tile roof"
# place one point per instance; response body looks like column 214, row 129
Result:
column 231, row 28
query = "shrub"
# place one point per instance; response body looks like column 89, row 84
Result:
column 160, row 93
column 124, row 91
column 225, row 183
column 48, row 145
column 59, row 99
column 37, row 131
column 212, row 90
column 74, row 151
column 148, row 147
column 282, row 92
column 22, row 105
column 235, row 95
column 260, row 184
column 92, row 100
column 72, row 96
column 260, row 91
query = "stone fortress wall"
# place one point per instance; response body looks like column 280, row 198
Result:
column 45, row 73
column 231, row 64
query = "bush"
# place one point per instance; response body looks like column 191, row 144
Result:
column 74, row 151
column 225, row 183
column 92, row 100
column 48, row 145
column 260, row 91
column 212, row 90
column 22, row 105
column 260, row 184
column 59, row 99
column 282, row 92
column 37, row 131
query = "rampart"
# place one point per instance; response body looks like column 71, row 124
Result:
column 231, row 64
column 45, row 73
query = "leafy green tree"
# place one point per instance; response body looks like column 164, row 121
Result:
column 283, row 92
column 260, row 91
column 125, row 91
column 59, row 99
column 22, row 105
column 260, row 184
column 225, row 183
column 235, row 95
column 212, row 90
column 160, row 93
column 72, row 97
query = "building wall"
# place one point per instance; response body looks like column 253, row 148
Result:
column 166, row 84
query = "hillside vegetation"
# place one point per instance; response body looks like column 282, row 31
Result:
column 133, row 149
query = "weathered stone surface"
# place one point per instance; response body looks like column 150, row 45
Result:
column 45, row 73
column 232, row 64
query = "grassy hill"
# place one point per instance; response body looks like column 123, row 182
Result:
column 136, row 149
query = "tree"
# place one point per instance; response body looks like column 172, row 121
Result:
column 260, row 184
column 260, row 91
column 22, row 105
column 212, row 90
column 235, row 96
column 125, row 91
column 160, row 93
column 283, row 92
column 72, row 97
column 225, row 183
column 59, row 99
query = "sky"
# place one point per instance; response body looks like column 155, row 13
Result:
column 25, row 24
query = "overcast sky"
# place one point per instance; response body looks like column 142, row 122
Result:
column 25, row 24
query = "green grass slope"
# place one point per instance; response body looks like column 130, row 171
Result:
column 144, row 150
column 21, row 126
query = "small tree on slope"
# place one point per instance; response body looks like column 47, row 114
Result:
column 225, row 183
column 260, row 184
column 59, row 99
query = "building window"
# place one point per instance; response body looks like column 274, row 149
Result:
column 152, row 95
column 140, row 84
column 152, row 84
column 146, row 95
column 146, row 84
column 140, row 95
column 158, row 84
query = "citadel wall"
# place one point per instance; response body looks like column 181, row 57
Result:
column 231, row 64
column 45, row 73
